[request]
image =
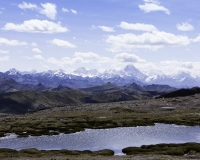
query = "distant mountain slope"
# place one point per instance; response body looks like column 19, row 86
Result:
column 61, row 88
column 159, row 88
column 182, row 93
column 10, row 85
column 22, row 101
column 102, row 88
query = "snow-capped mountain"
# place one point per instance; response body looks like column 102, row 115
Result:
column 82, row 77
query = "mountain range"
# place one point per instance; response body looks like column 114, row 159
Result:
column 18, row 98
column 82, row 77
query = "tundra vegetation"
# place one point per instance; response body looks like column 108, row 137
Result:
column 75, row 118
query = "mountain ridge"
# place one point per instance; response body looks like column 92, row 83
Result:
column 82, row 77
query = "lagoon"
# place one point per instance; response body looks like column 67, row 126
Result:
column 115, row 138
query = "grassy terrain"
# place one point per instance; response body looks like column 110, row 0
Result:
column 165, row 149
column 69, row 119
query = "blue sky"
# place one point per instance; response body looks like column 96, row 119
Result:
column 156, row 36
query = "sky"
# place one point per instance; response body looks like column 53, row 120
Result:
column 156, row 36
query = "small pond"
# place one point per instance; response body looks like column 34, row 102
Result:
column 115, row 139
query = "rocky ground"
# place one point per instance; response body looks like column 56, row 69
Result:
column 140, row 157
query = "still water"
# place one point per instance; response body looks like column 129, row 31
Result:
column 115, row 139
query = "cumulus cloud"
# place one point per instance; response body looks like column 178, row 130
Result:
column 4, row 41
column 86, row 55
column 90, row 57
column 38, row 57
column 153, row 6
column 106, row 29
column 197, row 39
column 125, row 57
column 36, row 26
column 152, row 41
column 62, row 43
column 74, row 11
column 34, row 44
column 185, row 27
column 103, row 28
column 3, row 59
column 4, row 52
column 36, row 50
column 48, row 9
column 66, row 61
column 138, row 26
column 64, row 10
column 54, row 61
column 175, row 67
column 152, row 1
column 26, row 5
column 80, row 57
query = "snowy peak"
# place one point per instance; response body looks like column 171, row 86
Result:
column 132, row 71
column 82, row 77
column 12, row 71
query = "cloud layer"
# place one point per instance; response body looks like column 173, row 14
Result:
column 185, row 27
column 62, row 43
column 153, row 6
column 138, row 26
column 4, row 41
column 152, row 41
column 36, row 26
column 48, row 9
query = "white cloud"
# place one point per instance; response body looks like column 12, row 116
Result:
column 62, row 43
column 3, row 59
column 38, row 57
column 25, row 5
column 174, row 67
column 4, row 52
column 4, row 41
column 90, row 57
column 152, row 41
column 152, row 6
column 152, row 1
column 197, row 39
column 66, row 61
column 103, row 28
column 54, row 61
column 86, row 55
column 34, row 44
column 48, row 9
column 106, row 29
column 125, row 57
column 185, row 27
column 36, row 50
column 74, row 11
column 64, row 10
column 81, row 58
column 138, row 26
column 36, row 26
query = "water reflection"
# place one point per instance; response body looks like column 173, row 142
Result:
column 115, row 139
